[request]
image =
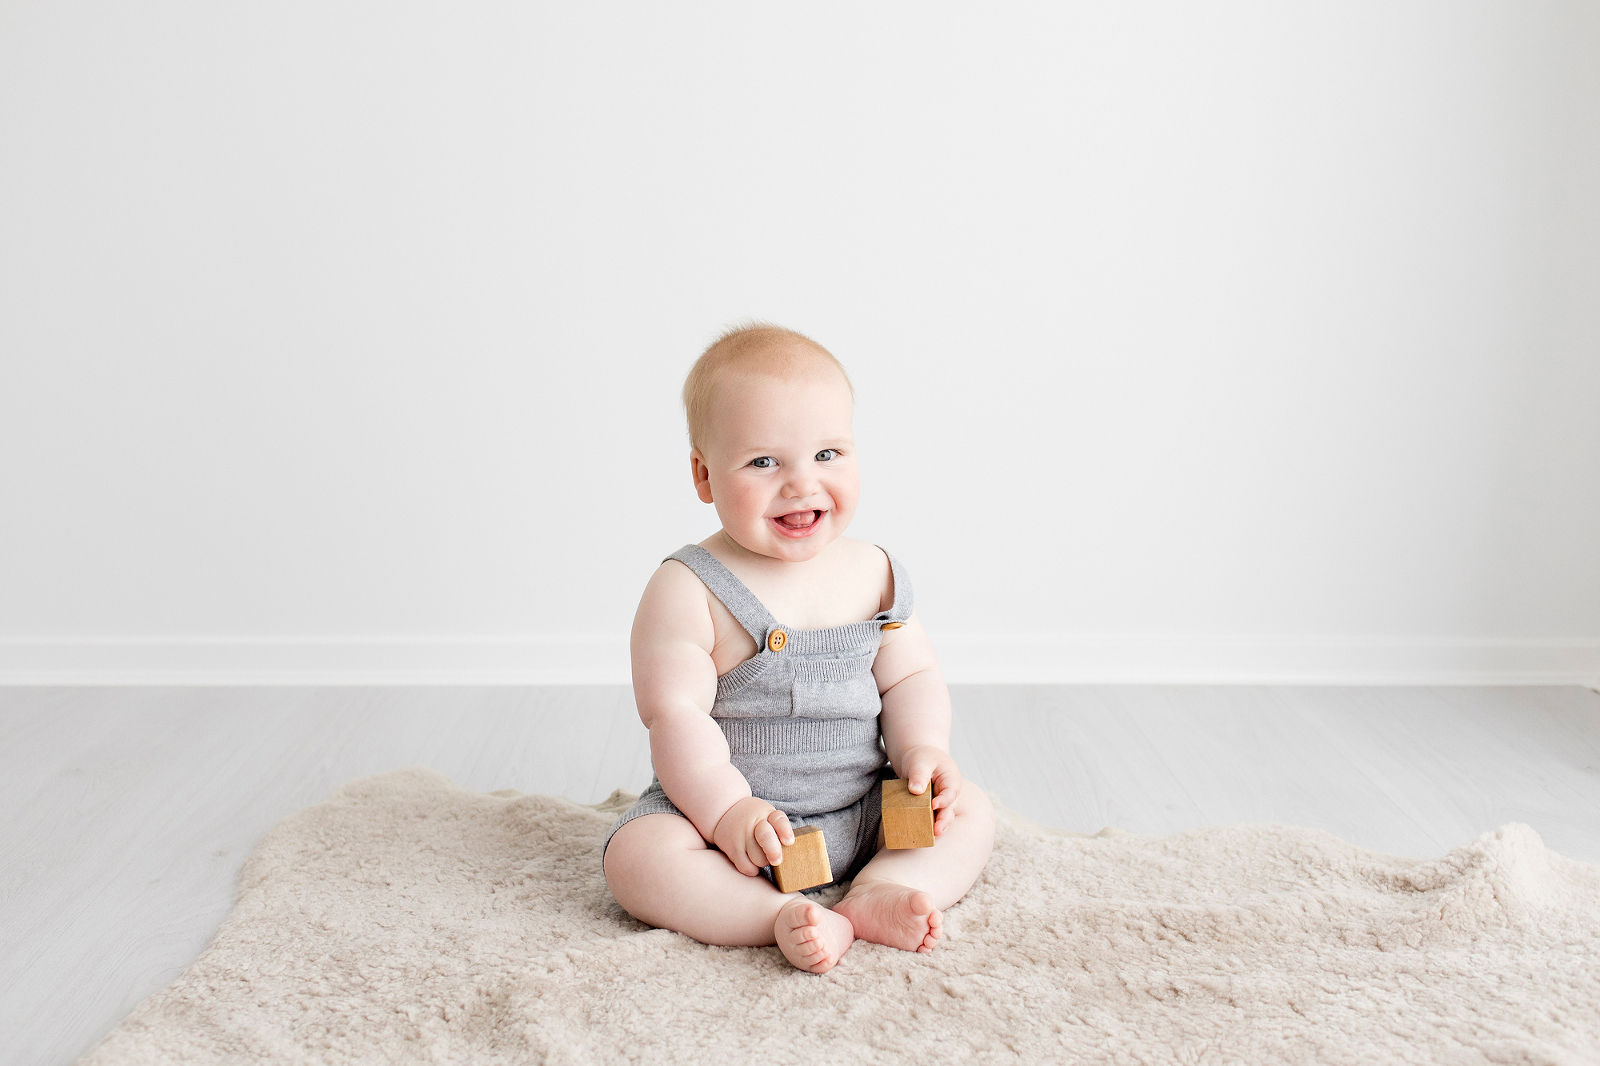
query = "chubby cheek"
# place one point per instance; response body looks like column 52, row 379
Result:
column 844, row 492
column 740, row 503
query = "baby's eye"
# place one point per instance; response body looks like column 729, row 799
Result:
column 827, row 453
column 764, row 462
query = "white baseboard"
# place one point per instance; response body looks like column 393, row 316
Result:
column 1046, row 659
column 1033, row 658
column 575, row 660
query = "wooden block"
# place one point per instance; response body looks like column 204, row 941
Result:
column 805, row 862
column 907, row 819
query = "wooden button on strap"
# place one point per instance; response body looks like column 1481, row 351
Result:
column 776, row 640
column 891, row 625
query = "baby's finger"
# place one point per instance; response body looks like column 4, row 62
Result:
column 919, row 772
column 756, row 855
column 766, row 838
column 946, row 790
column 780, row 822
column 742, row 863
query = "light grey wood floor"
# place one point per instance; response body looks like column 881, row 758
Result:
column 125, row 813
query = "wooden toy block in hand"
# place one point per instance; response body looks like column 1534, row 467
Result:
column 805, row 862
column 907, row 819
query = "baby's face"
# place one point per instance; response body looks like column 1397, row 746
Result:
column 779, row 462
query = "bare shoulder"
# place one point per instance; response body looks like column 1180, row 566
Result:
column 867, row 566
column 674, row 607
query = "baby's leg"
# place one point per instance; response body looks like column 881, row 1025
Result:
column 663, row 873
column 898, row 898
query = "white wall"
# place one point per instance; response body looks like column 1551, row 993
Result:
column 1243, row 341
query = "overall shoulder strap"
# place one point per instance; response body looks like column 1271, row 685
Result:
column 900, row 610
column 739, row 600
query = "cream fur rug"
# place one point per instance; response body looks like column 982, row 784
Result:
column 407, row 920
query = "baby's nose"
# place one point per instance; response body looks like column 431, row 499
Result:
column 800, row 485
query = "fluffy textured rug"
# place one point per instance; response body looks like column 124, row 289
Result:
column 409, row 920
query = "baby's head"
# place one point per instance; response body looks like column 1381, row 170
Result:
column 769, row 428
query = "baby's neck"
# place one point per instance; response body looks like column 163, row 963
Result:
column 848, row 581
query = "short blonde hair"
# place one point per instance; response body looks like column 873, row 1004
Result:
column 751, row 348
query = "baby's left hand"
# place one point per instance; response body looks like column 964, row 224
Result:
column 925, row 763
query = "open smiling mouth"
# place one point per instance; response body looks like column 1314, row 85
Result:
column 798, row 523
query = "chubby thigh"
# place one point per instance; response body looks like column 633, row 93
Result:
column 647, row 848
column 661, row 872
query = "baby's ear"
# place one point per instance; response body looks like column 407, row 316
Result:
column 702, row 476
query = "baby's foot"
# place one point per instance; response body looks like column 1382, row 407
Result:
column 887, row 913
column 811, row 936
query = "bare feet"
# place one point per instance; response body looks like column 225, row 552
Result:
column 886, row 913
column 811, row 936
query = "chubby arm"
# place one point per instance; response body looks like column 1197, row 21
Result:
column 916, row 717
column 675, row 685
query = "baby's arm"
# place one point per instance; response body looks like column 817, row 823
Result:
column 916, row 717
column 675, row 686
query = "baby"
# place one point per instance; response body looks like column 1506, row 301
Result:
column 768, row 661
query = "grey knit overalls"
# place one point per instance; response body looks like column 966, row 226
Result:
column 801, row 717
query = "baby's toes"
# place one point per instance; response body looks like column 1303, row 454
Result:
column 798, row 917
column 799, row 935
column 813, row 957
column 935, row 932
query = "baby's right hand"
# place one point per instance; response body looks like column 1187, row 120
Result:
column 752, row 834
